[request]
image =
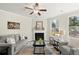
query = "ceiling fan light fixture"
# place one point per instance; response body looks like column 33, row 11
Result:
column 36, row 9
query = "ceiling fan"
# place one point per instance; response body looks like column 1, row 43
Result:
column 36, row 9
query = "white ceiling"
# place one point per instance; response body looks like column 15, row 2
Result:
column 53, row 9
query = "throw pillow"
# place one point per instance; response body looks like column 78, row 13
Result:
column 22, row 37
column 11, row 40
column 17, row 38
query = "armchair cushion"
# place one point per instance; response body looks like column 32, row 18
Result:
column 65, row 50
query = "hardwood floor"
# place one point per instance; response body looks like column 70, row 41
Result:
column 49, row 50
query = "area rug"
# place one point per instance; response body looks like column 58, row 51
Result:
column 29, row 51
column 49, row 50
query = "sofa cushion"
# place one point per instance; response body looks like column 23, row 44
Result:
column 22, row 37
column 75, row 51
column 19, row 45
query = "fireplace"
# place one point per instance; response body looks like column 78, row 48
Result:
column 39, row 44
column 39, row 36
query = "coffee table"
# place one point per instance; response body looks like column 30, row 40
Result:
column 40, row 46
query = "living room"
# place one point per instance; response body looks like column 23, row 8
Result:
column 19, row 30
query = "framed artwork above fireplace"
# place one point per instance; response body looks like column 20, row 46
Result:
column 39, row 25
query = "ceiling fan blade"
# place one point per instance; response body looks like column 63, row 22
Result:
column 42, row 10
column 31, row 12
column 39, row 14
column 28, row 8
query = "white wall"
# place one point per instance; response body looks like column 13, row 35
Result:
column 25, row 24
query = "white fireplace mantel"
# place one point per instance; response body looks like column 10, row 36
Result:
column 39, row 31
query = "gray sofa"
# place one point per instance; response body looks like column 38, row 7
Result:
column 69, row 49
column 72, row 48
column 17, row 46
column 64, row 50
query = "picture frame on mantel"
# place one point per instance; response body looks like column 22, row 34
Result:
column 39, row 25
